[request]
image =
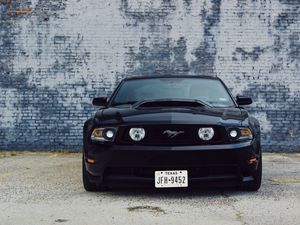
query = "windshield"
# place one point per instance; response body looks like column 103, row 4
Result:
column 203, row 89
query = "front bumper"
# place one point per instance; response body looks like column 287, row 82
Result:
column 134, row 166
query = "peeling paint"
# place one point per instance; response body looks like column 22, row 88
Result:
column 17, row 7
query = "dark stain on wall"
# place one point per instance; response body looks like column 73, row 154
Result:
column 284, row 117
column 284, row 24
column 46, row 9
column 285, row 19
column 73, row 55
column 205, row 54
column 160, row 58
column 242, row 54
column 41, row 118
column 147, row 14
column 187, row 3
column 9, row 78
column 51, row 107
column 282, row 111
column 290, row 2
column 294, row 40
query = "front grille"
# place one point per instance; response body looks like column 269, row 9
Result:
column 156, row 135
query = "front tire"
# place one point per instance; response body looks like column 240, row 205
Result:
column 87, row 184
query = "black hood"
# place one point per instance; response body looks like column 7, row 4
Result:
column 170, row 115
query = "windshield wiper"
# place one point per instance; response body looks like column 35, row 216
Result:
column 124, row 103
column 203, row 102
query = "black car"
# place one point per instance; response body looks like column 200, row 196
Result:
column 171, row 131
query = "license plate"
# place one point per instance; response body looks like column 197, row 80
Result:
column 172, row 178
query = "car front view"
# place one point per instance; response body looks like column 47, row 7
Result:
column 163, row 132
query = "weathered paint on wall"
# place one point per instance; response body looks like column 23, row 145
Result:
column 56, row 55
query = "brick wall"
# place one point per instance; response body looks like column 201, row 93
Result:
column 56, row 55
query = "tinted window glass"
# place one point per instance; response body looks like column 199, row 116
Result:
column 207, row 90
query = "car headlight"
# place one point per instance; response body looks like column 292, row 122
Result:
column 103, row 134
column 137, row 134
column 240, row 133
column 206, row 133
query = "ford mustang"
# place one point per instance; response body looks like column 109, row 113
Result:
column 171, row 132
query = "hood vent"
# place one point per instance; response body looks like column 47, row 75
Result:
column 169, row 104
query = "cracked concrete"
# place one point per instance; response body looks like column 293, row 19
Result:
column 45, row 188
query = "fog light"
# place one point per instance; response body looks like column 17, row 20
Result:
column 233, row 133
column 137, row 134
column 206, row 133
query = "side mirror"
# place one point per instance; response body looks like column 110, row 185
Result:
column 241, row 100
column 101, row 101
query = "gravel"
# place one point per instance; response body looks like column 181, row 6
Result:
column 46, row 188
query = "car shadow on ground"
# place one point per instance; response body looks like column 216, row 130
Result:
column 173, row 192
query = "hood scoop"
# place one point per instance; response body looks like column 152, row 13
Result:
column 169, row 103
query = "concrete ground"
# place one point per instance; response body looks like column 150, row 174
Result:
column 46, row 188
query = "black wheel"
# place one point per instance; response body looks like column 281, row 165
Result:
column 87, row 184
column 255, row 184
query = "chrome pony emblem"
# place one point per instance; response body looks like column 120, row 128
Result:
column 172, row 133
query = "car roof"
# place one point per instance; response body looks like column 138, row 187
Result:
column 169, row 76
